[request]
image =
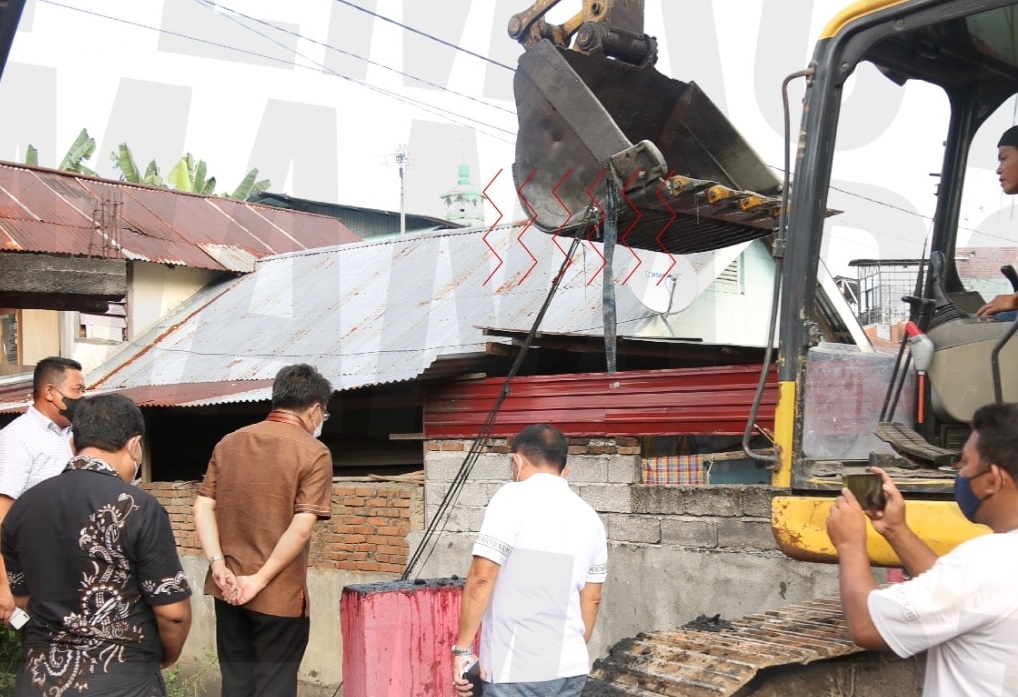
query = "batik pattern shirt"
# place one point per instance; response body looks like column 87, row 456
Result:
column 94, row 554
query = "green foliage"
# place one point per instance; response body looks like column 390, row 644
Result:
column 10, row 658
column 123, row 160
column 194, row 684
column 152, row 177
column 187, row 174
column 31, row 156
column 249, row 186
column 81, row 149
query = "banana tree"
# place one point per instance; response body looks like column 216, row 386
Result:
column 81, row 149
column 188, row 175
column 249, row 186
column 123, row 160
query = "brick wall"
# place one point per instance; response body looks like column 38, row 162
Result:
column 178, row 498
column 369, row 526
column 367, row 532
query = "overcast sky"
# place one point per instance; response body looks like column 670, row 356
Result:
column 321, row 94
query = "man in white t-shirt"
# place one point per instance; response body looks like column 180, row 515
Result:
column 538, row 566
column 37, row 444
column 961, row 607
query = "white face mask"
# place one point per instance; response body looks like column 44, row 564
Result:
column 321, row 424
column 137, row 465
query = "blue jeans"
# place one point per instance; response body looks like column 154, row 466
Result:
column 563, row 687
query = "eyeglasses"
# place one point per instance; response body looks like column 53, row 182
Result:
column 979, row 474
column 325, row 415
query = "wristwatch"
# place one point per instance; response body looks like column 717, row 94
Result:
column 465, row 651
column 218, row 557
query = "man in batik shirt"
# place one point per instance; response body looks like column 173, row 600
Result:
column 93, row 561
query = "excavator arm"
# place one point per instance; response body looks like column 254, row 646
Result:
column 593, row 112
column 612, row 27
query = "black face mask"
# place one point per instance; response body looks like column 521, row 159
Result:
column 70, row 404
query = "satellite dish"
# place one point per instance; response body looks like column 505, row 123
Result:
column 661, row 285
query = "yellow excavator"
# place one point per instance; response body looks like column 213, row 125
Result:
column 657, row 166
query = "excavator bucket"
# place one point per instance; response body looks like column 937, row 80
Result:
column 690, row 181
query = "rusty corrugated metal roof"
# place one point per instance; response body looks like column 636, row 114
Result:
column 377, row 312
column 16, row 398
column 195, row 393
column 54, row 212
column 16, row 393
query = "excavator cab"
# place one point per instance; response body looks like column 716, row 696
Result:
column 963, row 62
column 593, row 112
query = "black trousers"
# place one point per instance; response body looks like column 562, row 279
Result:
column 259, row 654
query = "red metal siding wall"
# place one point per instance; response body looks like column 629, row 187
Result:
column 648, row 402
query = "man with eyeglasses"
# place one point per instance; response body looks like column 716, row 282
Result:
column 37, row 444
column 265, row 487
column 962, row 606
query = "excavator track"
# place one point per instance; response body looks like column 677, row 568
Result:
column 694, row 663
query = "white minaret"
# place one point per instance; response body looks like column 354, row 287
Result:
column 464, row 205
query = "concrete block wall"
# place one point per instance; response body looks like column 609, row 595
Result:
column 675, row 552
column 606, row 475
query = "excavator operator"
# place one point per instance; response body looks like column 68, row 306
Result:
column 1005, row 307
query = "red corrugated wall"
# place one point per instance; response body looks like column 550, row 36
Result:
column 685, row 401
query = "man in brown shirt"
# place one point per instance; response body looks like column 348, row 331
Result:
column 265, row 487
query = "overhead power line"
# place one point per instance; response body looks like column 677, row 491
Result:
column 426, row 35
column 481, row 126
column 355, row 55
column 445, row 113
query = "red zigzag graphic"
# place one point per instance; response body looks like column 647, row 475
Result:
column 600, row 222
column 530, row 221
column 665, row 227
column 485, row 238
column 625, row 235
column 569, row 216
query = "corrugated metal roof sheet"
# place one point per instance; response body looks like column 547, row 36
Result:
column 713, row 400
column 53, row 212
column 15, row 393
column 232, row 258
column 197, row 393
column 377, row 312
column 186, row 394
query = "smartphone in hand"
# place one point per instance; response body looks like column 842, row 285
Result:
column 18, row 618
column 472, row 674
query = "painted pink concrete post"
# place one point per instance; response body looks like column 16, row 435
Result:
column 397, row 637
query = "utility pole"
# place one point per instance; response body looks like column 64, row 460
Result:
column 401, row 161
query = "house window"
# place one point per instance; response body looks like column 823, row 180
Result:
column 9, row 354
column 109, row 326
